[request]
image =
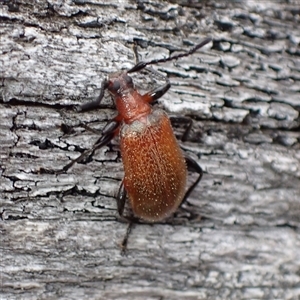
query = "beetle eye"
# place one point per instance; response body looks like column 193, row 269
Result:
column 128, row 80
column 114, row 86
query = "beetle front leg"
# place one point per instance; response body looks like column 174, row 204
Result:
column 94, row 104
column 156, row 93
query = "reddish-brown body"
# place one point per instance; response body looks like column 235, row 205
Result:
column 155, row 169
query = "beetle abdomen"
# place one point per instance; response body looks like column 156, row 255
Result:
column 155, row 169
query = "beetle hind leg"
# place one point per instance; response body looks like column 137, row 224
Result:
column 121, row 201
column 183, row 210
column 125, row 239
column 131, row 220
column 193, row 166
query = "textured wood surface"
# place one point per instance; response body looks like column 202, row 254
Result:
column 238, row 237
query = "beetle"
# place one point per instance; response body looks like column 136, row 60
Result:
column 155, row 167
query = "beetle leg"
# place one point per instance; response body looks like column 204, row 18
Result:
column 135, row 51
column 110, row 128
column 95, row 103
column 131, row 220
column 125, row 239
column 108, row 133
column 185, row 120
column 157, row 92
column 192, row 164
column 121, row 199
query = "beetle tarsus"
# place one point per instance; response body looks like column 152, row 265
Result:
column 93, row 104
column 125, row 239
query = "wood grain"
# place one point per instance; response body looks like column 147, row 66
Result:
column 238, row 237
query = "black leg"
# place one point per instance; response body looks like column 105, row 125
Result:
column 95, row 103
column 184, row 120
column 158, row 92
column 135, row 51
column 194, row 166
column 125, row 239
column 121, row 199
column 108, row 134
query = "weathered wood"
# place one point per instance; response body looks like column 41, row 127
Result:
column 237, row 238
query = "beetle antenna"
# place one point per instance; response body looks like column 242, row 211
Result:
column 141, row 65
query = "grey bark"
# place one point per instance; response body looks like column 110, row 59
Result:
column 238, row 237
